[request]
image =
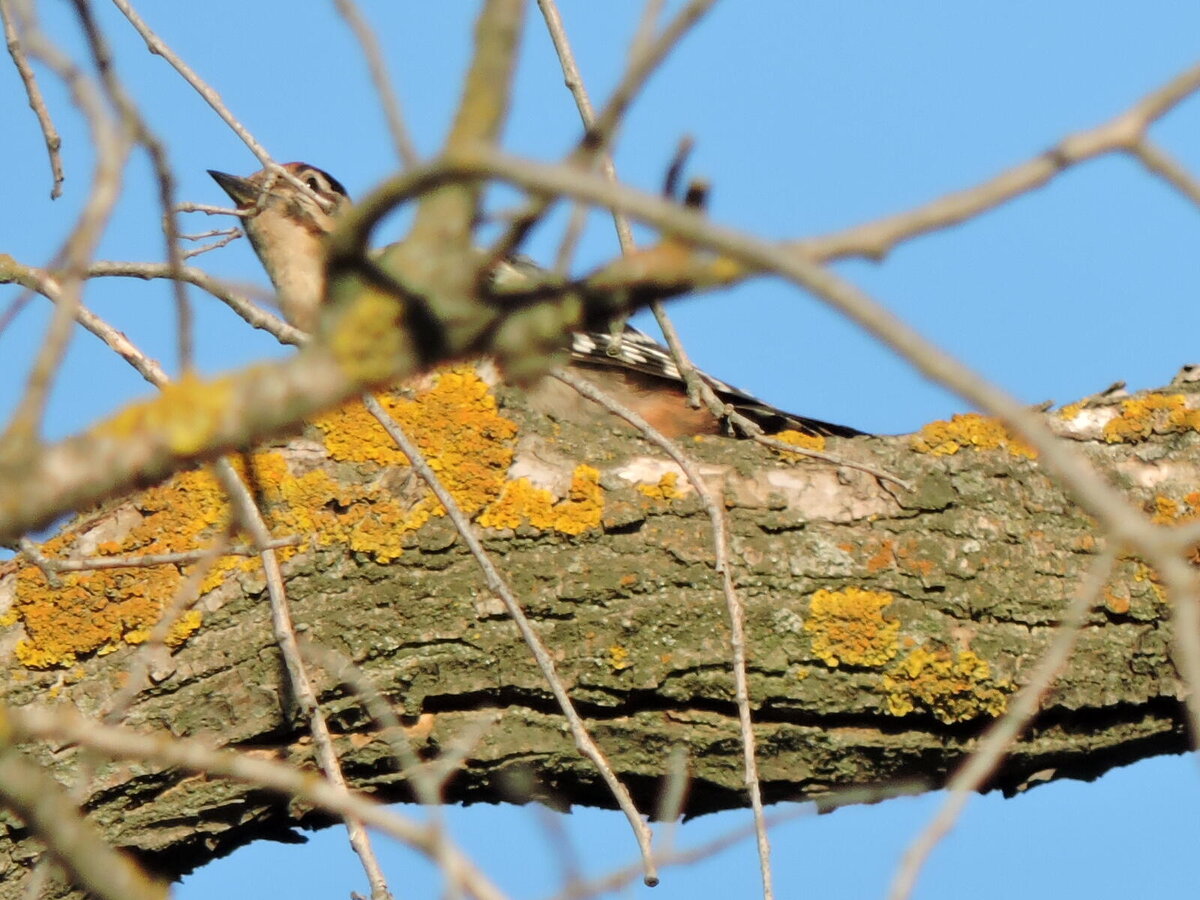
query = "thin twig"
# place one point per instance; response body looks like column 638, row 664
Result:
column 186, row 596
column 496, row 583
column 365, row 35
column 733, row 605
column 136, row 124
column 1160, row 163
column 599, row 135
column 158, row 47
column 111, row 143
column 210, row 209
column 1001, row 735
column 253, row 314
column 575, row 84
column 46, row 809
column 225, row 236
column 249, row 517
column 64, row 724
column 96, row 563
column 36, row 101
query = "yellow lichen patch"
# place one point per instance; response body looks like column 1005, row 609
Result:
column 314, row 504
column 666, row 489
column 1070, row 411
column 455, row 423
column 848, row 627
column 521, row 503
column 179, row 631
column 1143, row 574
column 584, row 506
column 185, row 413
column 800, row 439
column 1168, row 511
column 944, row 438
column 953, row 687
column 1184, row 419
column 99, row 611
column 354, row 435
column 379, row 527
column 1143, row 416
column 618, row 658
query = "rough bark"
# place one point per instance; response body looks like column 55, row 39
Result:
column 857, row 689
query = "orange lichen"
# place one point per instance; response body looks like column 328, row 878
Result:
column 584, row 506
column 455, row 422
column 848, row 627
column 944, row 438
column 907, row 555
column 666, row 489
column 883, row 558
column 99, row 611
column 1166, row 510
column 456, row 425
column 1118, row 604
column 1150, row 414
column 799, row 439
column 379, row 527
column 520, row 503
column 953, row 687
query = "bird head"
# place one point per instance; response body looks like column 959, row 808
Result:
column 288, row 227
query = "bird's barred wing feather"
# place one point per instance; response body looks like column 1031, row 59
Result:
column 636, row 351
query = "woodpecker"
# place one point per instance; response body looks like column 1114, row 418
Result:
column 287, row 228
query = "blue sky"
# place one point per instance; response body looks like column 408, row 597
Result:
column 807, row 117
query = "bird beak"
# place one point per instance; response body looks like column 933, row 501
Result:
column 242, row 191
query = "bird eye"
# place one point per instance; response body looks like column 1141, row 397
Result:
column 312, row 182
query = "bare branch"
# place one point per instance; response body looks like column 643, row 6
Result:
column 65, row 725
column 733, row 606
column 405, row 149
column 875, row 240
column 75, row 843
column 133, row 121
column 248, row 515
column 158, row 47
column 599, row 134
column 1001, row 735
column 112, row 146
column 36, row 101
column 1160, row 163
column 498, row 586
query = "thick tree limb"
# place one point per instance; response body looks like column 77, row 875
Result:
column 936, row 604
